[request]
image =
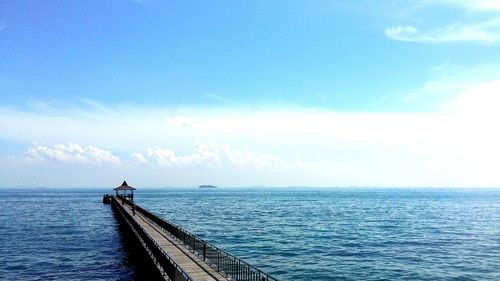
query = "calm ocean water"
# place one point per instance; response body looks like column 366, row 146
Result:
column 53, row 234
column 293, row 234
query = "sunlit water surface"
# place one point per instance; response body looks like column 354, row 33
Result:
column 293, row 234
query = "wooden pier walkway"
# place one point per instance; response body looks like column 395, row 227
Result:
column 193, row 265
column 178, row 254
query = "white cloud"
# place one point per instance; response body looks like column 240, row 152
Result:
column 122, row 127
column 139, row 158
column 401, row 32
column 179, row 122
column 466, row 21
column 166, row 157
column 478, row 101
column 445, row 83
column 483, row 32
column 455, row 145
column 256, row 160
column 214, row 155
column 71, row 153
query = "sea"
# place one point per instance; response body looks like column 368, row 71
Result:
column 290, row 233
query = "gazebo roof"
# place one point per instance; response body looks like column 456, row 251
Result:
column 124, row 186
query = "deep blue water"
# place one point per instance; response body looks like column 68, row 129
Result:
column 293, row 234
column 53, row 234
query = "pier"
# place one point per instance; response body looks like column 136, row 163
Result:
column 177, row 254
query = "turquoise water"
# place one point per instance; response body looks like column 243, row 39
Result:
column 293, row 234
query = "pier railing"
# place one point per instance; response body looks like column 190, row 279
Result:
column 169, row 267
column 217, row 258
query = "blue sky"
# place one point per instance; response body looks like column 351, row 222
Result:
column 239, row 93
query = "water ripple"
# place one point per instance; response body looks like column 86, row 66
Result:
column 347, row 234
column 59, row 235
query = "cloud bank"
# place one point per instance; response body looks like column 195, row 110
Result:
column 456, row 144
column 72, row 153
column 217, row 155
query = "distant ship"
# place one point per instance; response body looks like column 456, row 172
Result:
column 207, row 186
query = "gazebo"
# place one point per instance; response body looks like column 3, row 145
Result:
column 126, row 191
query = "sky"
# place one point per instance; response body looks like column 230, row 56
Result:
column 250, row 93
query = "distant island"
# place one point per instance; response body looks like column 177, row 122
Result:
column 207, row 186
